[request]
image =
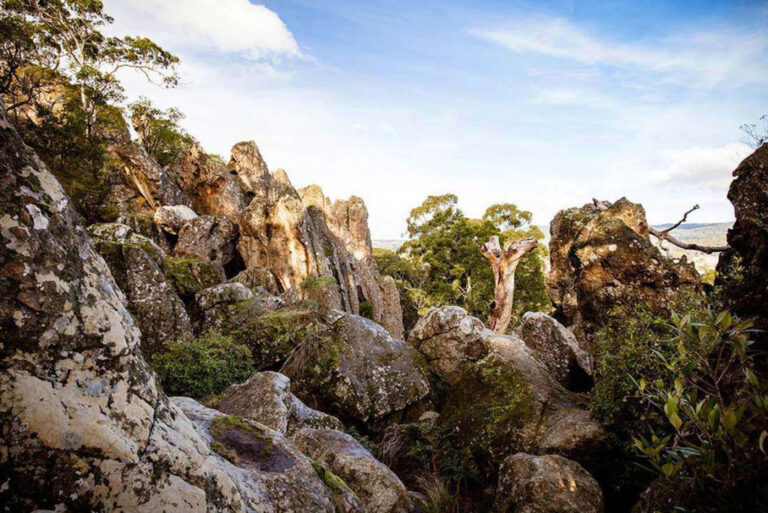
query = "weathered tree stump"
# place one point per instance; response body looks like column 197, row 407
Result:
column 504, row 263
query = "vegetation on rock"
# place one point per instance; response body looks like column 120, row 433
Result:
column 203, row 367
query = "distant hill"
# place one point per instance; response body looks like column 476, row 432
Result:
column 707, row 234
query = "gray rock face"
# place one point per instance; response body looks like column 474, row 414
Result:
column 206, row 237
column 546, row 484
column 449, row 339
column 362, row 374
column 224, row 294
column 558, row 349
column 85, row 425
column 257, row 278
column 172, row 218
column 269, row 473
column 377, row 487
column 266, row 398
column 135, row 262
column 490, row 377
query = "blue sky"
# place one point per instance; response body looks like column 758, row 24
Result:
column 541, row 104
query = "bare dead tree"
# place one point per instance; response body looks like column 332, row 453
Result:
column 504, row 263
column 665, row 235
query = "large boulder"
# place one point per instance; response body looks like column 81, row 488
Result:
column 136, row 265
column 601, row 258
column 497, row 397
column 85, row 426
column 743, row 270
column 377, row 487
column 207, row 237
column 155, row 185
column 208, row 183
column 359, row 372
column 172, row 218
column 546, row 484
column 558, row 349
column 270, row 474
column 266, row 398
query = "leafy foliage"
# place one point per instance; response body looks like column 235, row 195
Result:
column 711, row 405
column 204, row 367
column 445, row 244
column 159, row 130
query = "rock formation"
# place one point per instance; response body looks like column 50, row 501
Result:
column 546, row 484
column 743, row 270
column 498, row 397
column 85, row 426
column 136, row 265
column 558, row 349
column 601, row 257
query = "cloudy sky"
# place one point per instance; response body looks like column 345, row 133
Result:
column 545, row 104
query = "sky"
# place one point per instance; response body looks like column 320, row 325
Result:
column 544, row 104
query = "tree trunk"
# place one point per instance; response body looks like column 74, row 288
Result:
column 504, row 264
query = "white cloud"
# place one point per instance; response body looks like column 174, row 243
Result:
column 706, row 167
column 709, row 57
column 225, row 26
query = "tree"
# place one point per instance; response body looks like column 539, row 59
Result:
column 64, row 36
column 445, row 242
column 755, row 135
column 504, row 263
column 159, row 131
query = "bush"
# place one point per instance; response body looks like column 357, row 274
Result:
column 204, row 367
column 626, row 347
column 712, row 409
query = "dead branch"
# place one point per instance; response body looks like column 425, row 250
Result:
column 665, row 235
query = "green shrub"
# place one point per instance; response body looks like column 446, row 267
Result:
column 711, row 409
column 204, row 367
column 625, row 347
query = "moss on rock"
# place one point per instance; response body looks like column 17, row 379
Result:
column 190, row 275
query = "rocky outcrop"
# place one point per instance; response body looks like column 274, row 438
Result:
column 136, row 265
column 359, row 372
column 558, row 349
column 743, row 270
column 155, row 185
column 208, row 183
column 172, row 218
column 546, row 484
column 601, row 258
column 266, row 398
column 223, row 295
column 377, row 487
column 498, row 398
column 85, row 426
column 206, row 237
column 269, row 473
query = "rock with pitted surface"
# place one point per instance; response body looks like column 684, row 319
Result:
column 172, row 218
column 377, row 487
column 207, row 237
column 136, row 265
column 743, row 270
column 558, row 349
column 222, row 295
column 269, row 473
column 498, row 398
column 266, row 398
column 601, row 257
column 151, row 181
column 85, row 426
column 359, row 372
column 208, row 183
column 546, row 484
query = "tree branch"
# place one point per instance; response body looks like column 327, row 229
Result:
column 664, row 235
